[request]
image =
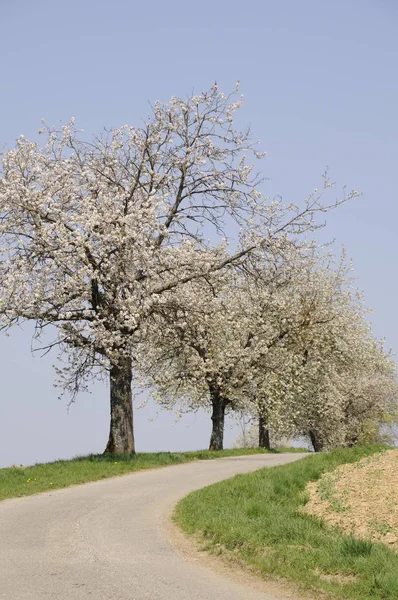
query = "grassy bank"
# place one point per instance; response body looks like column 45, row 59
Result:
column 255, row 517
column 24, row 481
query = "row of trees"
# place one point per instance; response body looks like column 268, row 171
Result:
column 285, row 341
column 121, row 246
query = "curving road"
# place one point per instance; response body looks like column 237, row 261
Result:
column 110, row 539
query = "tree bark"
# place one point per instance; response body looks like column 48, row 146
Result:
column 121, row 433
column 263, row 433
column 316, row 441
column 219, row 405
column 353, row 441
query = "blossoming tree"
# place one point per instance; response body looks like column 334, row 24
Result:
column 284, row 340
column 330, row 376
column 220, row 342
column 94, row 232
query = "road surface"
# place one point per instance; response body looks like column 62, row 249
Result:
column 109, row 540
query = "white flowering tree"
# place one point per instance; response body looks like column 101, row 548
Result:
column 287, row 308
column 334, row 376
column 224, row 342
column 195, row 343
column 300, row 310
column 348, row 381
column 94, row 232
column 283, row 339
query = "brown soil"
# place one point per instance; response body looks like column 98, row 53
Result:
column 361, row 498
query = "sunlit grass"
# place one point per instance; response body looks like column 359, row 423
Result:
column 256, row 517
column 24, row 481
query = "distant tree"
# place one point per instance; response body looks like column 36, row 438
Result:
column 346, row 378
column 313, row 366
column 292, row 315
column 249, row 435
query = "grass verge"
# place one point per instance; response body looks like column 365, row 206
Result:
column 256, row 518
column 24, row 481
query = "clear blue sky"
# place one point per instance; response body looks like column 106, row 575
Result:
column 320, row 85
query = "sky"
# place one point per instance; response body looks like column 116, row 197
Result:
column 320, row 90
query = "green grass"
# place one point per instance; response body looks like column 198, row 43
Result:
column 24, row 481
column 255, row 517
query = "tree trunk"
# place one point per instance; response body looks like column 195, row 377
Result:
column 263, row 433
column 353, row 440
column 316, row 441
column 121, row 434
column 219, row 405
